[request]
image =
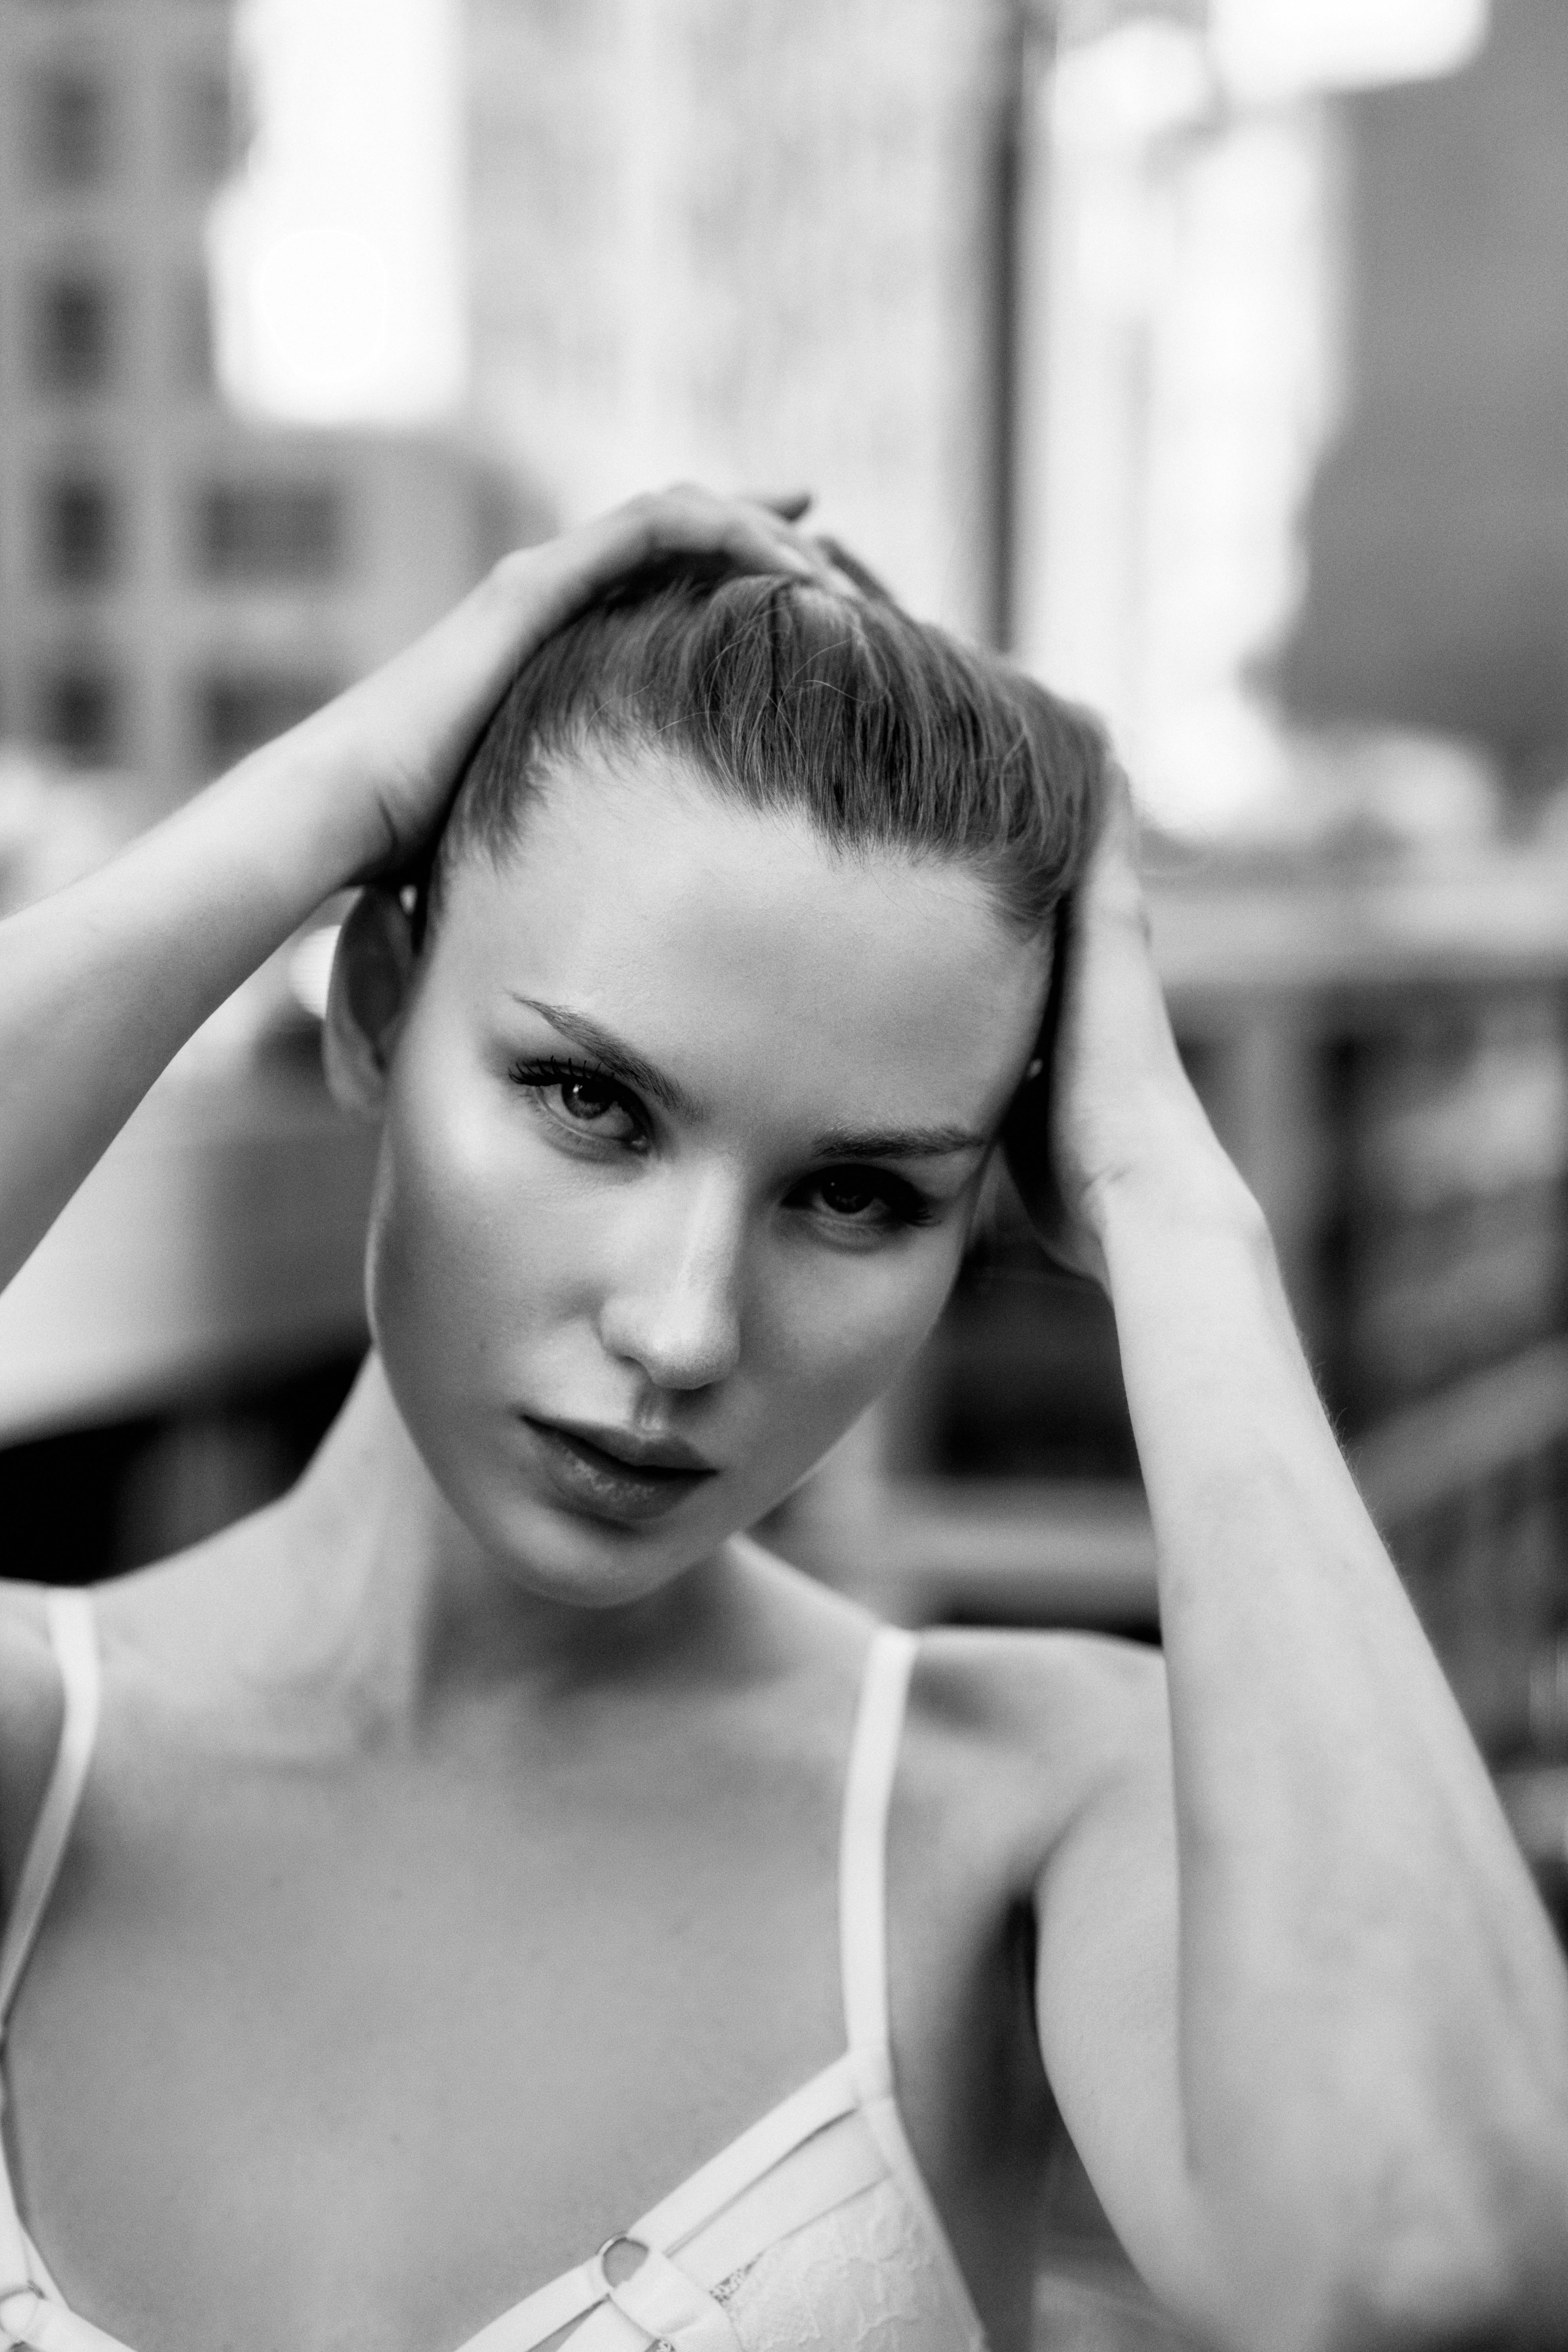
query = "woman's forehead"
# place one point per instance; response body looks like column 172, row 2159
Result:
column 718, row 935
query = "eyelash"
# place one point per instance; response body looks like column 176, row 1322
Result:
column 542, row 1077
column 903, row 1204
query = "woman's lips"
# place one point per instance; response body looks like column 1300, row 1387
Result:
column 588, row 1478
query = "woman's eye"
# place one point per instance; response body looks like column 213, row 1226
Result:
column 588, row 1101
column 865, row 1198
column 580, row 1100
column 849, row 1196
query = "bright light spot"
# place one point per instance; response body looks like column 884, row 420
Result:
column 337, row 255
column 1214, row 766
column 321, row 297
column 1278, row 50
column 1129, row 87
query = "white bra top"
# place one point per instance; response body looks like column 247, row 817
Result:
column 814, row 2229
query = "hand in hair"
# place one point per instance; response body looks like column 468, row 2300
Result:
column 1110, row 1102
column 390, row 750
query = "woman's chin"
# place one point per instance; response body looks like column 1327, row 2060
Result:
column 580, row 1559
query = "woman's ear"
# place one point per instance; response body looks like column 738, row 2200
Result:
column 373, row 975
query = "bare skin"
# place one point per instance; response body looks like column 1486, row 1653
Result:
column 458, row 1872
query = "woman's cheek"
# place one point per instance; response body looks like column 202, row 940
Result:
column 856, row 1320
column 472, row 1228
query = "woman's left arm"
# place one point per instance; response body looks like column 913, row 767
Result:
column 1314, row 2046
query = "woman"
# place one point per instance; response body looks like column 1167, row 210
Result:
column 464, row 1870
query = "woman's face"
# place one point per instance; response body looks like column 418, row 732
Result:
column 685, row 1120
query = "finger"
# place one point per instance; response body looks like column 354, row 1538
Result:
column 856, row 577
column 691, row 521
column 779, row 518
column 754, row 536
column 788, row 505
column 559, row 577
column 541, row 588
column 1118, row 819
column 1111, row 866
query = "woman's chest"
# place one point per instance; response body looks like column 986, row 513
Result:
column 353, row 2058
column 368, row 2063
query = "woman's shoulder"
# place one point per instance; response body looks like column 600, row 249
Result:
column 1032, row 1685
column 31, row 1709
column 1062, row 1711
column 1039, row 1723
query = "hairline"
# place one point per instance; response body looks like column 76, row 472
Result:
column 617, row 737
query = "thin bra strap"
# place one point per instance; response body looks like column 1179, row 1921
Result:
column 74, row 1637
column 862, row 1851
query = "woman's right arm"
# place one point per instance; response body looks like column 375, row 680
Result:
column 100, row 985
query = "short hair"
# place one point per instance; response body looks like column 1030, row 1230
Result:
column 884, row 732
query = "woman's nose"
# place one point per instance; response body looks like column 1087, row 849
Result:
column 677, row 1311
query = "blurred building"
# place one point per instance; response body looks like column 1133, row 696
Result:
column 1438, row 524
column 175, row 584
column 755, row 246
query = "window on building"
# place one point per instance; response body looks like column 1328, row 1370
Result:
column 68, row 125
column 237, row 710
column 267, row 533
column 78, row 533
column 73, row 334
column 79, row 711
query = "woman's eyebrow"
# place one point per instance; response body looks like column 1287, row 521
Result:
column 621, row 1060
column 897, row 1142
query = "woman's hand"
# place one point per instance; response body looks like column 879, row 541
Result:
column 1109, row 1105
column 382, row 759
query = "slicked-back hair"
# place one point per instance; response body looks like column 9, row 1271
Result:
column 884, row 732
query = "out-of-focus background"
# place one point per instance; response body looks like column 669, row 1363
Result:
column 1210, row 356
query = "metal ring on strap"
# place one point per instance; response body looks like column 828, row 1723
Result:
column 665, row 2302
column 621, row 2273
column 11, row 2332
